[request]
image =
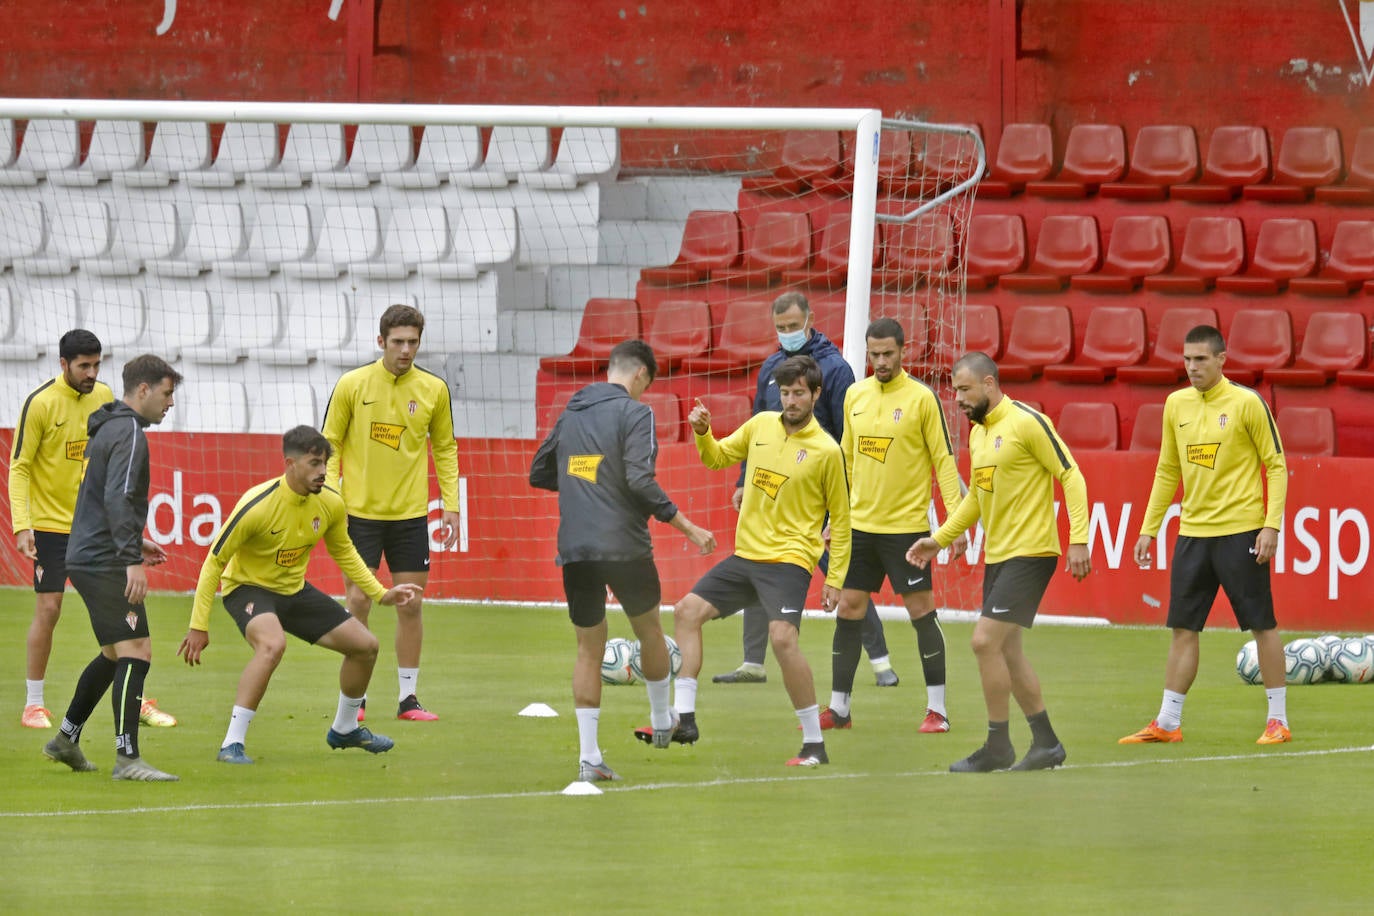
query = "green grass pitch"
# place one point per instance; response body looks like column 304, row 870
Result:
column 465, row 815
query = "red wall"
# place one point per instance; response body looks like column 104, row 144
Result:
column 1319, row 581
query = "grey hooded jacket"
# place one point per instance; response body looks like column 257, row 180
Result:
column 112, row 504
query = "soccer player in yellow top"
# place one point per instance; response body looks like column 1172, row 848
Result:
column 1216, row 435
column 378, row 420
column 45, row 474
column 796, row 475
column 894, row 439
column 261, row 555
column 1015, row 457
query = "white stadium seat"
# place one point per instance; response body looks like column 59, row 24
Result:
column 177, row 320
column 512, row 150
column 207, row 407
column 377, row 150
column 247, row 320
column 584, row 154
column 244, row 148
column 347, row 235
column 280, row 234
column 178, row 147
column 143, row 231
column 311, row 149
column 115, row 147
column 40, row 318
column 216, row 234
column 483, row 238
column 81, row 228
column 21, row 229
column 416, row 235
column 116, row 315
column 49, row 145
column 315, row 320
column 280, row 406
column 444, row 150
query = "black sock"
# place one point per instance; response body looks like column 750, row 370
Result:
column 930, row 640
column 90, row 687
column 688, row 718
column 844, row 654
column 1042, row 733
column 130, row 673
column 999, row 735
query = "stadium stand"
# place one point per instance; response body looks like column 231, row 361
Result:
column 1089, row 426
column 1237, row 156
column 1349, row 263
column 1163, row 155
column 115, row 146
column 1358, row 187
column 1095, row 154
column 1285, row 250
column 1307, row 430
column 1115, row 337
column 245, row 148
column 178, row 148
column 1308, row 158
column 1068, row 245
column 48, row 145
column 1140, row 246
column 1213, row 246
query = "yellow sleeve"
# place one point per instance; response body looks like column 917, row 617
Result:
column 721, row 453
column 27, row 438
column 341, row 548
column 964, row 517
column 1168, row 473
column 222, row 550
column 837, row 501
column 1054, row 456
column 847, row 437
column 1265, row 434
column 338, row 416
column 939, row 446
column 444, row 448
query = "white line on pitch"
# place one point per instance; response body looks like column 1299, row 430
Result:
column 653, row 786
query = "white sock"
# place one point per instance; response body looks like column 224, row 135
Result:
column 346, row 718
column 1171, row 711
column 660, row 716
column 1278, row 703
column 810, row 719
column 839, row 703
column 685, row 695
column 935, row 699
column 587, row 719
column 882, row 663
column 407, row 678
column 239, row 720
column 34, row 690
column 755, row 667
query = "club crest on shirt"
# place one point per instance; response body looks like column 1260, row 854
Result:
column 584, row 467
column 875, row 447
column 131, row 619
column 1204, row 454
column 1221, row 421
column 388, row 434
column 801, row 455
column 897, row 415
column 982, row 477
column 770, row 482
column 315, row 524
column 76, row 451
column 411, row 408
column 997, row 444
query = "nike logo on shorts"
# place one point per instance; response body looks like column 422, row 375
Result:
column 1001, row 610
column 790, row 610
column 916, row 581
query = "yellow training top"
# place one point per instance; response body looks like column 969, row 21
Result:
column 378, row 424
column 894, row 436
column 267, row 543
column 793, row 481
column 1016, row 456
column 48, row 457
column 1215, row 441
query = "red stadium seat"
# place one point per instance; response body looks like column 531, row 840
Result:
column 1308, row 157
column 667, row 408
column 1165, row 364
column 778, row 241
column 829, row 269
column 605, row 323
column 1237, row 156
column 1284, row 250
column 1148, row 430
column 943, row 160
column 1351, row 263
column 1307, row 430
column 996, row 246
column 1068, row 245
column 1040, row 336
column 710, row 241
column 1026, row 153
column 806, row 157
column 1163, row 155
column 917, row 251
column 1259, row 340
column 1114, row 337
column 909, row 312
column 746, row 338
column 1140, row 246
column 1213, row 246
column 680, row 329
column 1358, row 187
column 1332, row 342
column 894, row 163
column 1095, row 154
column 982, row 334
column 1086, row 426
column 728, row 412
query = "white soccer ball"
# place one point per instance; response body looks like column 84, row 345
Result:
column 1304, row 661
column 1353, row 661
column 1330, row 643
column 617, row 664
column 674, row 658
column 1247, row 663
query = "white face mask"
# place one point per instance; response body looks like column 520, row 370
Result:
column 792, row 341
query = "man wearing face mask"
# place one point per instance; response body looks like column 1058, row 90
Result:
column 797, row 336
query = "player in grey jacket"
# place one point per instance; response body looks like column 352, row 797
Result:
column 106, row 556
column 600, row 457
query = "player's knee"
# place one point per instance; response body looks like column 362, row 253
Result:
column 783, row 637
column 270, row 649
column 984, row 644
column 691, row 611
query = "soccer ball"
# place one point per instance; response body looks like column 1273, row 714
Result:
column 1330, row 644
column 1353, row 661
column 674, row 658
column 617, row 663
column 1247, row 663
column 1304, row 661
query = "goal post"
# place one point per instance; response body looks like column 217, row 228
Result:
column 254, row 244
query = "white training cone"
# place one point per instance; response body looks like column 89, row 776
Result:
column 582, row 788
column 539, row 711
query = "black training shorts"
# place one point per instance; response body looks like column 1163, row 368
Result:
column 113, row 618
column 736, row 583
column 1013, row 588
column 875, row 556
column 404, row 543
column 308, row 614
column 634, row 582
column 50, row 569
column 1201, row 565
